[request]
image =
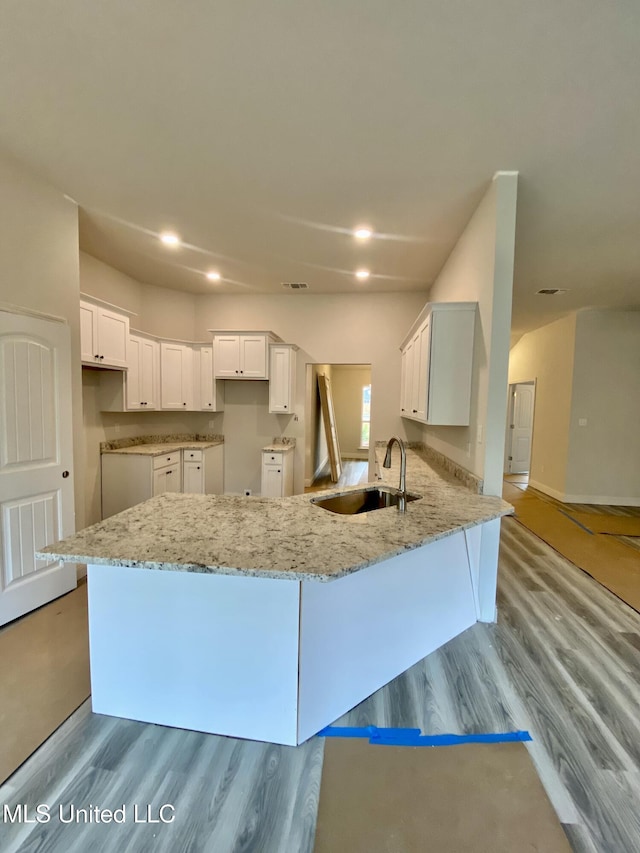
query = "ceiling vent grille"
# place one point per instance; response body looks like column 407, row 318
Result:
column 295, row 285
column 550, row 291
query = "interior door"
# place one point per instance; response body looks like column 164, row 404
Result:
column 36, row 452
column 522, row 428
column 329, row 420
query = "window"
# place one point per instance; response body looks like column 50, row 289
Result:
column 366, row 416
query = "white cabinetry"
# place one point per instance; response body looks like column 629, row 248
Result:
column 176, row 372
column 277, row 473
column 202, row 470
column 130, row 478
column 142, row 378
column 241, row 355
column 282, row 371
column 209, row 392
column 104, row 333
column 437, row 363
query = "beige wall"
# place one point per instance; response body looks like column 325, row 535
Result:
column 160, row 311
column 39, row 271
column 347, row 383
column 546, row 356
column 480, row 269
column 331, row 328
column 604, row 454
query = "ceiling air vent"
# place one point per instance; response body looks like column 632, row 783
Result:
column 296, row 285
column 550, row 291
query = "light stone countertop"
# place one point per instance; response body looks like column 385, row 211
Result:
column 160, row 449
column 280, row 537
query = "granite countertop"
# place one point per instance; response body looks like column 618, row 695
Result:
column 161, row 449
column 280, row 537
column 158, row 445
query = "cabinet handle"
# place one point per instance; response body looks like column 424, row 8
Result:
column 101, row 356
column 168, row 459
column 237, row 371
column 96, row 355
column 279, row 471
column 169, row 472
column 65, row 474
column 242, row 371
column 285, row 407
column 415, row 411
column 198, row 468
column 209, row 404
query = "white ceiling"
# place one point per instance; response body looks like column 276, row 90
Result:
column 263, row 131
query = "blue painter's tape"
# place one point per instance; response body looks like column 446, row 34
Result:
column 412, row 737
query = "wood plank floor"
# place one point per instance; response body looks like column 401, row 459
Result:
column 563, row 662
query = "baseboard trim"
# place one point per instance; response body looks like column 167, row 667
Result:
column 611, row 500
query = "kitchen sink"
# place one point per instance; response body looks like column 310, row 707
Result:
column 362, row 500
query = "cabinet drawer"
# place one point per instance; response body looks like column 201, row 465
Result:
column 166, row 459
column 192, row 455
column 272, row 458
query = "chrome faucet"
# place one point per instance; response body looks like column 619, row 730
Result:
column 402, row 503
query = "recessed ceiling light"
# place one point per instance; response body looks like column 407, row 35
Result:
column 362, row 274
column 212, row 275
column 170, row 239
column 363, row 233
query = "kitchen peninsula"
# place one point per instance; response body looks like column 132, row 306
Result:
column 268, row 618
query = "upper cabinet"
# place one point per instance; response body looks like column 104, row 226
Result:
column 437, row 363
column 282, row 370
column 143, row 376
column 177, row 376
column 104, row 334
column 241, row 355
column 209, row 393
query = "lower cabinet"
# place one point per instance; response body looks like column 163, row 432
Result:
column 129, row 478
column 277, row 473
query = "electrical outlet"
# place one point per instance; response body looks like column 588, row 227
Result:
column 247, row 493
column 582, row 421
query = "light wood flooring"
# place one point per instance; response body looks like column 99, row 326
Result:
column 563, row 662
column 354, row 472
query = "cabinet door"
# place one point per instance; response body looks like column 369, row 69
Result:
column 176, row 376
column 272, row 481
column 193, row 477
column 113, row 335
column 282, row 360
column 167, row 480
column 134, row 394
column 422, row 359
column 148, row 370
column 89, row 332
column 211, row 396
column 406, row 380
column 253, row 357
column 227, row 356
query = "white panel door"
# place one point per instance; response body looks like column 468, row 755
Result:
column 113, row 335
column 148, row 361
column 89, row 332
column 177, row 376
column 253, row 357
column 193, row 478
column 280, row 379
column 133, row 378
column 522, row 428
column 36, row 461
column 272, row 481
column 226, row 356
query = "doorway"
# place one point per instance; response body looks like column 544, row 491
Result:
column 519, row 428
column 341, row 435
